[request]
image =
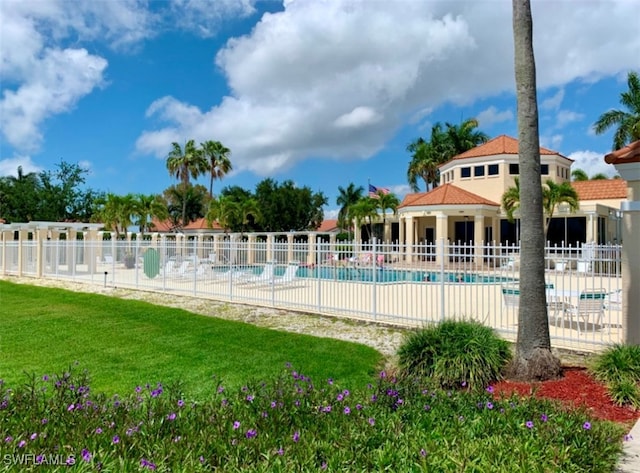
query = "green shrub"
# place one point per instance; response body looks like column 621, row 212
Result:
column 619, row 368
column 454, row 354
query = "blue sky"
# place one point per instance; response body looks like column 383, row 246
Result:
column 320, row 92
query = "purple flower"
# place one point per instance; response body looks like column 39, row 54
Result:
column 138, row 389
column 330, row 381
column 201, row 459
column 71, row 461
column 236, row 425
column 98, row 430
column 628, row 437
column 489, row 405
column 273, row 404
column 427, row 407
column 86, row 455
column 45, row 377
column 180, row 403
column 490, row 389
column 71, row 407
column 358, row 407
column 323, row 466
column 423, row 452
column 144, row 463
column 280, row 451
column 372, row 421
column 39, row 459
column 250, row 398
column 346, row 392
column 339, row 397
column 586, row 425
column 296, row 436
column 171, row 416
column 8, row 439
column 544, row 418
column 22, row 443
column 116, row 439
column 251, row 433
column 374, row 398
column 220, row 389
column 347, row 410
column 383, row 374
column 529, row 424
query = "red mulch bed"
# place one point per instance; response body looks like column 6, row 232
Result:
column 576, row 388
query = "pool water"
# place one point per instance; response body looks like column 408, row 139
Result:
column 395, row 275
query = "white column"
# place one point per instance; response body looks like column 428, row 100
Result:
column 410, row 240
column 442, row 235
column 478, row 237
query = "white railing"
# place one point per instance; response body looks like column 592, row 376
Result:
column 383, row 283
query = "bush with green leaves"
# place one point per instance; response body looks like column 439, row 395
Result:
column 292, row 423
column 619, row 368
column 454, row 354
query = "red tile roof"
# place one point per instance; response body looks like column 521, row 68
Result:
column 628, row 154
column 200, row 224
column 601, row 189
column 503, row 144
column 329, row 225
column 446, row 194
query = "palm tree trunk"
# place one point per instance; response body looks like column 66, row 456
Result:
column 533, row 359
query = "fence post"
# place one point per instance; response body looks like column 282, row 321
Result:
column 374, row 279
column 442, row 276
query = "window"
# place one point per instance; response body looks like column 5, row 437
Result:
column 465, row 172
column 478, row 171
column 493, row 170
column 544, row 169
column 514, row 169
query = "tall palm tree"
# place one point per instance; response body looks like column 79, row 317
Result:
column 186, row 204
column 116, row 212
column 533, row 358
column 219, row 162
column 424, row 164
column 184, row 164
column 628, row 122
column 386, row 202
column 146, row 208
column 463, row 137
column 248, row 208
column 511, row 200
column 346, row 199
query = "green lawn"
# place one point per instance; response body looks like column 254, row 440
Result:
column 125, row 343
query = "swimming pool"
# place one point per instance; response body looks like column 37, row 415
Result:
column 387, row 275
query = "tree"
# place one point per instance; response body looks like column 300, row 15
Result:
column 115, row 213
column 579, row 175
column 386, row 202
column 628, row 123
column 186, row 203
column 553, row 194
column 363, row 212
column 533, row 358
column 427, row 156
column 346, row 199
column 20, row 197
column 146, row 208
column 223, row 210
column 219, row 162
column 184, row 164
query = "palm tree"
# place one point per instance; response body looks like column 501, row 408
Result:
column 555, row 194
column 533, row 358
column 628, row 122
column 219, row 162
column 364, row 211
column 463, row 137
column 146, row 208
column 116, row 213
column 248, row 208
column 424, row 164
column 511, row 200
column 186, row 204
column 579, row 175
column 384, row 202
column 223, row 210
column 600, row 176
column 184, row 164
column 346, row 199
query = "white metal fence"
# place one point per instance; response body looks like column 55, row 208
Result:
column 383, row 283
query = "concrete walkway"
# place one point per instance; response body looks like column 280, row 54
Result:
column 630, row 461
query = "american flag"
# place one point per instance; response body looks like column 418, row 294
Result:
column 373, row 191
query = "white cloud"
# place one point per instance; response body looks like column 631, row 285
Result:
column 301, row 71
column 592, row 163
column 9, row 166
column 492, row 115
column 553, row 102
column 204, row 17
column 358, row 117
column 552, row 142
column 565, row 117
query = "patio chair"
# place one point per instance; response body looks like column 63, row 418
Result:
column 586, row 259
column 290, row 274
column 511, row 296
column 613, row 300
column 590, row 303
column 265, row 277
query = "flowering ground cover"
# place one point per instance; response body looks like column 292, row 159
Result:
column 294, row 423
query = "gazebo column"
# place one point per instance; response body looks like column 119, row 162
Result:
column 312, row 249
column 401, row 235
column 410, row 240
column 289, row 247
column 478, row 239
column 591, row 227
column 90, row 249
column 442, row 236
column 251, row 249
column 22, row 237
column 270, row 255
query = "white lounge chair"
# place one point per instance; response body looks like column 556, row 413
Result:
column 290, row 274
column 590, row 303
column 265, row 277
